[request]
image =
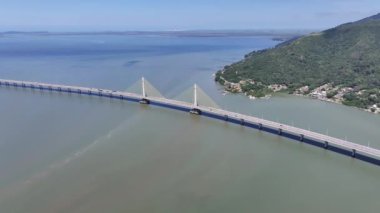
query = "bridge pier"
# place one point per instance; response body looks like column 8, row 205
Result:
column 144, row 101
column 260, row 126
column 326, row 146
column 353, row 153
column 279, row 131
column 242, row 122
column 196, row 111
column 226, row 117
column 302, row 137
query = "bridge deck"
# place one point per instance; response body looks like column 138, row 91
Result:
column 281, row 128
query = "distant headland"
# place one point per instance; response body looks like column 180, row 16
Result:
column 340, row 65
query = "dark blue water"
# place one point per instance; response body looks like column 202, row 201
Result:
column 106, row 45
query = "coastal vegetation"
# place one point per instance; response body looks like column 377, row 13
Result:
column 341, row 64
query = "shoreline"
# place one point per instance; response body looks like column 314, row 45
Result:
column 326, row 92
column 268, row 96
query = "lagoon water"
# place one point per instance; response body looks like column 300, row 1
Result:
column 71, row 153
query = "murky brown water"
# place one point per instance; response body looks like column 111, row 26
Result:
column 71, row 153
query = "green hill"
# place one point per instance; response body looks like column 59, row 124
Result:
column 347, row 58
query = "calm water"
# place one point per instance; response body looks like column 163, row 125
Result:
column 70, row 153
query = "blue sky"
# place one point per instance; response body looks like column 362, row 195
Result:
column 85, row 15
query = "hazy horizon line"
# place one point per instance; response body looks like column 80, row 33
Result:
column 167, row 31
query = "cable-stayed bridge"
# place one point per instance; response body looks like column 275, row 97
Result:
column 337, row 145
